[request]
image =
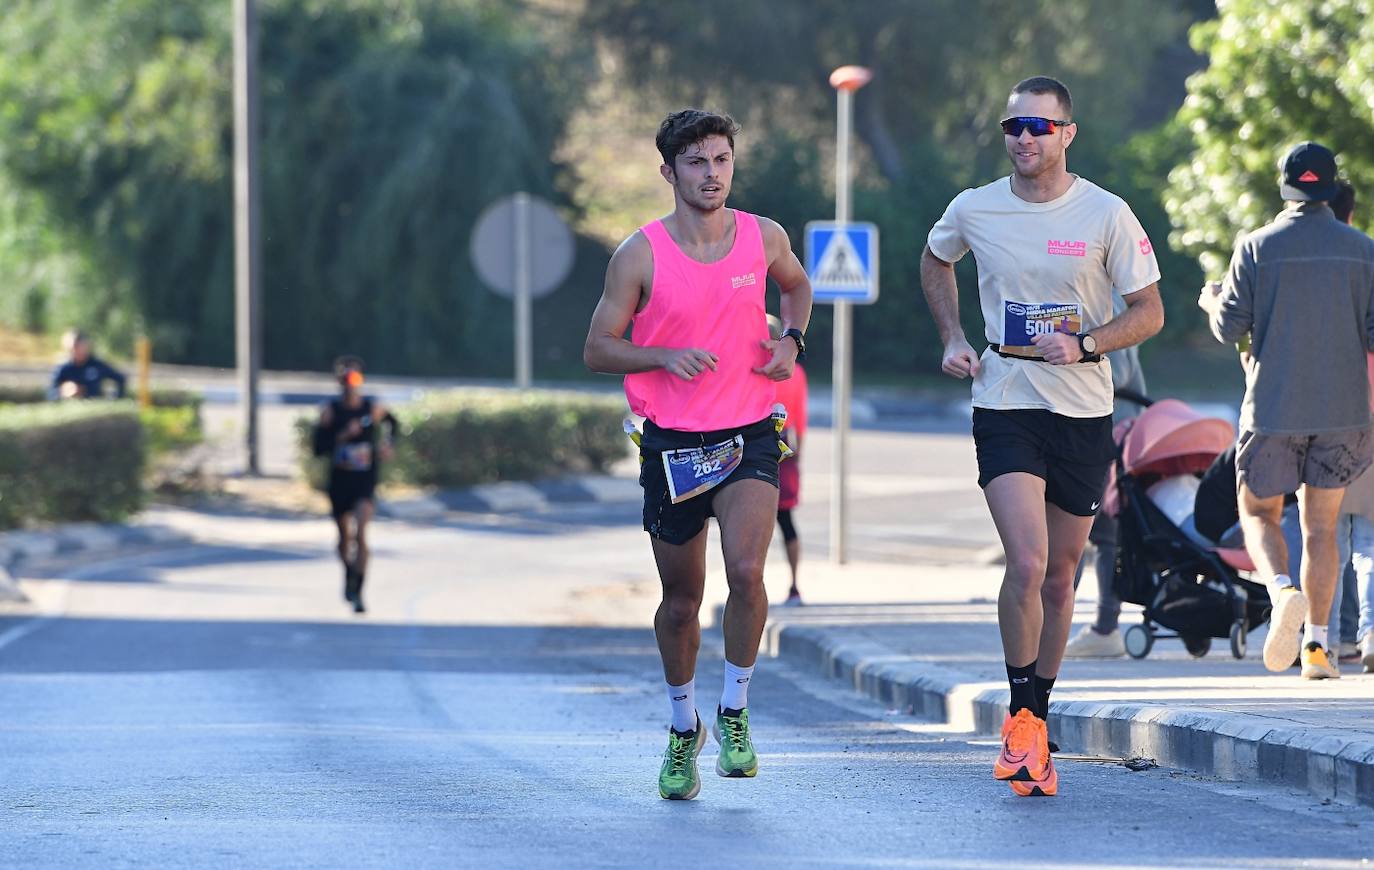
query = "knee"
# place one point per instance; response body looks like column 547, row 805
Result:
column 681, row 611
column 1026, row 571
column 744, row 575
column 1058, row 590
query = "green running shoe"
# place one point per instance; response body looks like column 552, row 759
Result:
column 737, row 757
column 678, row 779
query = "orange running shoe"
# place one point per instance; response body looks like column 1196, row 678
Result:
column 1025, row 752
column 1047, row 787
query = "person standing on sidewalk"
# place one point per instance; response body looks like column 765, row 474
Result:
column 700, row 367
column 792, row 396
column 349, row 432
column 1050, row 247
column 83, row 375
column 1302, row 287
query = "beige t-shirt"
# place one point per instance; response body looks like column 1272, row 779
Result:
column 1045, row 266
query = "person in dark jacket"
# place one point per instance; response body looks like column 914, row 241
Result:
column 82, row 375
column 349, row 432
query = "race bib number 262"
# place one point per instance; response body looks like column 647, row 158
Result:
column 694, row 470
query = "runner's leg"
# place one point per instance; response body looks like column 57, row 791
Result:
column 1318, row 508
column 746, row 511
column 1067, row 535
column 362, row 513
column 1016, row 501
column 677, row 624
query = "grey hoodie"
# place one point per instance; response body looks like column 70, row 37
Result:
column 1303, row 286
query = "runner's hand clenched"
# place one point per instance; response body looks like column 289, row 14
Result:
column 1059, row 348
column 688, row 362
column 960, row 360
column 783, row 358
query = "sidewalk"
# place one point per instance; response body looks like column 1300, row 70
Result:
column 925, row 640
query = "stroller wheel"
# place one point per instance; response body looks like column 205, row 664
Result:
column 1238, row 639
column 1197, row 645
column 1139, row 639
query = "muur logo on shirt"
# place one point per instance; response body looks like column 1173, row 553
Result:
column 1067, row 248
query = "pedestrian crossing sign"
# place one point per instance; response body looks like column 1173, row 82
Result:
column 842, row 261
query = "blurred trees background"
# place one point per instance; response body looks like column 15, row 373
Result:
column 389, row 125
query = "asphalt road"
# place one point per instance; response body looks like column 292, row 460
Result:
column 502, row 706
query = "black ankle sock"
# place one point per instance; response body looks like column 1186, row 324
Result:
column 1043, row 685
column 1022, row 681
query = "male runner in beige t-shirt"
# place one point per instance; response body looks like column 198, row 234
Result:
column 1050, row 246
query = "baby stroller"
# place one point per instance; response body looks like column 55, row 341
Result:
column 1195, row 592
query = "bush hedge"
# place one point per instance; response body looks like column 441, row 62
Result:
column 465, row 437
column 70, row 461
column 173, row 421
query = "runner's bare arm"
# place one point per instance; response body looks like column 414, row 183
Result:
column 628, row 280
column 1143, row 317
column 786, row 269
column 942, row 295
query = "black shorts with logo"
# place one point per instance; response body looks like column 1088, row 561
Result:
column 679, row 523
column 1071, row 454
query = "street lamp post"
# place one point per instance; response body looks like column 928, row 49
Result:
column 845, row 80
column 247, row 247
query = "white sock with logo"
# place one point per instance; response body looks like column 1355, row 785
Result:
column 1276, row 585
column 735, row 695
column 1315, row 633
column 684, row 701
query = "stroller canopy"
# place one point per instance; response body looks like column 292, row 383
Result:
column 1171, row 438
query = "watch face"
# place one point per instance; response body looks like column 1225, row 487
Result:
column 1089, row 344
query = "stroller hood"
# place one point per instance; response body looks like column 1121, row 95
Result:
column 1168, row 438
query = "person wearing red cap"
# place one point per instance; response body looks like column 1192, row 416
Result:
column 1302, row 287
column 349, row 433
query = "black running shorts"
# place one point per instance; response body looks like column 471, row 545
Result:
column 679, row 523
column 1071, row 454
column 347, row 488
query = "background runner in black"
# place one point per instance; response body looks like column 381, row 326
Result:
column 350, row 433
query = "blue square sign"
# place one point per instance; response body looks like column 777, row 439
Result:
column 842, row 261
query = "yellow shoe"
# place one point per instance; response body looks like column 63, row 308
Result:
column 1317, row 663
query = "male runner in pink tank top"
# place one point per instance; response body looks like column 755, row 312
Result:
column 700, row 368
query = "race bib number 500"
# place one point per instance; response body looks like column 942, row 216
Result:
column 1024, row 321
column 694, row 470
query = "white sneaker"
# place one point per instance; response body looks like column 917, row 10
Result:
column 1088, row 644
column 1284, row 641
column 1367, row 652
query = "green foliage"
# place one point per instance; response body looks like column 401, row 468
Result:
column 928, row 120
column 387, row 126
column 70, row 461
column 1280, row 72
column 466, row 437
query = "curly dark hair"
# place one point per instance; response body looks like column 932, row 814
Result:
column 687, row 127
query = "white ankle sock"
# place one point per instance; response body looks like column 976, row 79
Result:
column 1314, row 633
column 684, row 701
column 735, row 695
column 1276, row 585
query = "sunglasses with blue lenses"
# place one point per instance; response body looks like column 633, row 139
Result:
column 1037, row 126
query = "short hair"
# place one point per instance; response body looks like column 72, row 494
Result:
column 347, row 363
column 72, row 337
column 1343, row 203
column 1046, row 85
column 689, row 126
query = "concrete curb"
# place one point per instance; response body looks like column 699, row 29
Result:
column 24, row 545
column 514, row 497
column 1330, row 764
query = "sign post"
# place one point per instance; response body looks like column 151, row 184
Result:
column 845, row 80
column 247, row 244
column 523, row 250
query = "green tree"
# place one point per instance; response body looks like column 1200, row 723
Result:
column 927, row 123
column 387, row 126
column 1279, row 73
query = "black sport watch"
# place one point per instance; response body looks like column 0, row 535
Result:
column 796, row 335
column 1088, row 345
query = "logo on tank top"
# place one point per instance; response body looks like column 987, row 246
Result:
column 1066, row 248
column 739, row 281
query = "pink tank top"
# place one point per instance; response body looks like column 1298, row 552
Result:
column 716, row 306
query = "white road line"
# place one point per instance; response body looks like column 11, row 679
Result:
column 24, row 629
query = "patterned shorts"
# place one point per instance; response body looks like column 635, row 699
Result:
column 1271, row 465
